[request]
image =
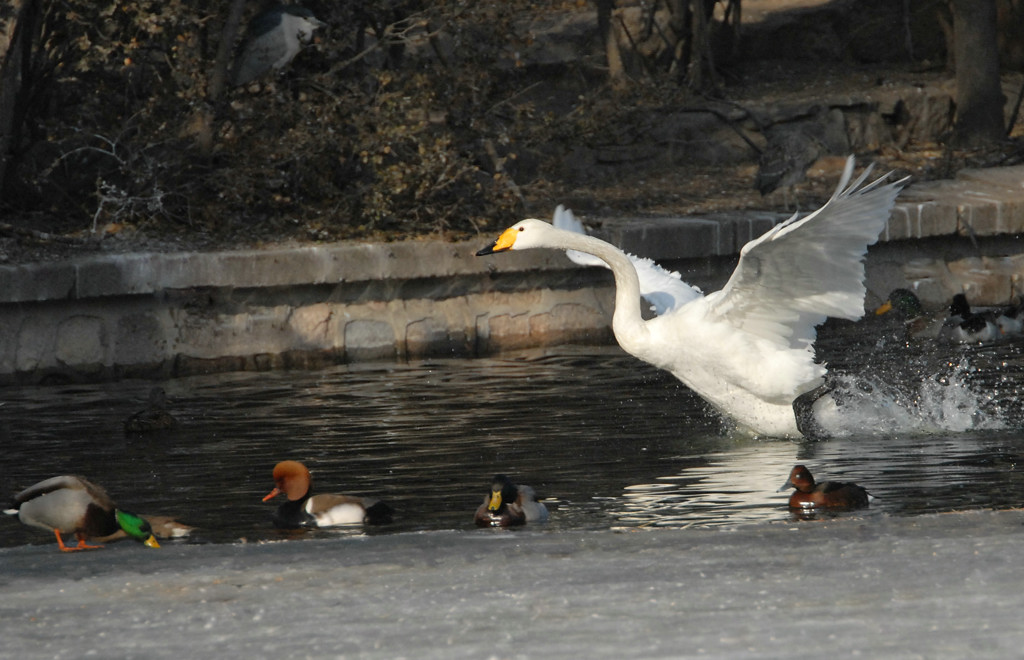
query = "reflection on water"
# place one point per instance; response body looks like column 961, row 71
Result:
column 607, row 440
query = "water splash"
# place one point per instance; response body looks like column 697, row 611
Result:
column 918, row 398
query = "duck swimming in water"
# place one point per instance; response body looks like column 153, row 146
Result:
column 833, row 494
column 904, row 304
column 155, row 416
column 965, row 326
column 749, row 348
column 508, row 505
column 303, row 509
column 74, row 505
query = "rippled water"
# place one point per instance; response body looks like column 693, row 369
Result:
column 607, row 440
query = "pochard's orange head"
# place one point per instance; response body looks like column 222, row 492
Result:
column 291, row 478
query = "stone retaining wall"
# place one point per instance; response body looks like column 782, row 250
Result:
column 163, row 315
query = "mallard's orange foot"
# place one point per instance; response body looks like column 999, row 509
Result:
column 82, row 545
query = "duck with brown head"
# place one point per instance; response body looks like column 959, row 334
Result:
column 304, row 509
column 810, row 494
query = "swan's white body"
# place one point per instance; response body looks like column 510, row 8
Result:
column 749, row 348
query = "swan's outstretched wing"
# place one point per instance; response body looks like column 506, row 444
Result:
column 804, row 270
column 663, row 289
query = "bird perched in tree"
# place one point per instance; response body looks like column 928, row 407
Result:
column 274, row 38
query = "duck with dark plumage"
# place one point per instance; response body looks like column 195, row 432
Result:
column 508, row 505
column 810, row 494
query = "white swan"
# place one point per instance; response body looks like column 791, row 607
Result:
column 749, row 348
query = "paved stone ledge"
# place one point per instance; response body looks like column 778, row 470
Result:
column 163, row 315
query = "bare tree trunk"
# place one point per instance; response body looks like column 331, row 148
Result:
column 979, row 96
column 701, row 73
column 616, row 72
column 202, row 123
column 15, row 48
column 219, row 75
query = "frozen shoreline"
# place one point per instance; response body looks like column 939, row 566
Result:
column 936, row 586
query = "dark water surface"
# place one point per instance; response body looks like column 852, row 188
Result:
column 606, row 440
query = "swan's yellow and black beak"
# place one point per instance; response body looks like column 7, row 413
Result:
column 504, row 242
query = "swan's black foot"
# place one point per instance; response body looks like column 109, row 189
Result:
column 803, row 408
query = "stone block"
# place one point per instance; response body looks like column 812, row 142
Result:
column 979, row 217
column 81, row 343
column 434, row 337
column 36, row 338
column 1008, row 178
column 139, row 339
column 983, row 281
column 367, row 339
column 310, row 327
column 920, row 220
column 308, row 359
column 900, row 225
column 36, row 282
column 187, row 365
column 569, row 323
column 8, row 343
column 749, row 228
column 504, row 332
column 667, row 238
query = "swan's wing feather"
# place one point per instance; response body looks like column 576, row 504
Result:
column 663, row 289
column 806, row 269
column 565, row 220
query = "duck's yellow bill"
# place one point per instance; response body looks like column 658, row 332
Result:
column 886, row 307
column 495, row 501
column 151, row 542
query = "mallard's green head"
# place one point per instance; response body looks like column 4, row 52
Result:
column 136, row 527
column 904, row 302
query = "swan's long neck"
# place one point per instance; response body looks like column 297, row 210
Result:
column 627, row 323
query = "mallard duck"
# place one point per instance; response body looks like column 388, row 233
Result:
column 154, row 418
column 749, row 348
column 507, row 505
column 832, row 494
column 303, row 509
column 905, row 304
column 74, row 505
column 164, row 527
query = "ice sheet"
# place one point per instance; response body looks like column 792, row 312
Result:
column 937, row 586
